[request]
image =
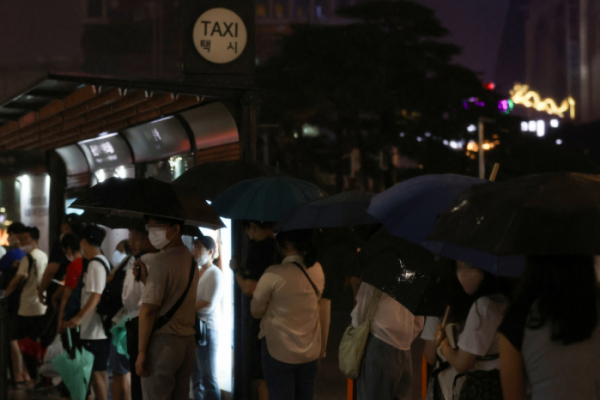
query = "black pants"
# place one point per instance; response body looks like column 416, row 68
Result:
column 132, row 349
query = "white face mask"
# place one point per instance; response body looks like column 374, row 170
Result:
column 158, row 238
column 27, row 248
column 71, row 258
column 118, row 257
column 470, row 279
column 203, row 260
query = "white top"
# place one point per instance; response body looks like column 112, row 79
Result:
column 30, row 305
column 168, row 276
column 210, row 288
column 480, row 334
column 556, row 371
column 94, row 281
column 133, row 291
column 392, row 322
column 289, row 308
column 429, row 328
column 2, row 251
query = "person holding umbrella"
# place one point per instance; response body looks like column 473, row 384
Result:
column 476, row 351
column 167, row 348
column 550, row 337
column 287, row 301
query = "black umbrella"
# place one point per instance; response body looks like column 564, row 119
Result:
column 541, row 214
column 211, row 179
column 135, row 198
column 407, row 272
column 120, row 222
column 337, row 211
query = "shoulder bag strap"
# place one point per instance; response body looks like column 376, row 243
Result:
column 124, row 263
column 31, row 262
column 308, row 277
column 101, row 261
column 164, row 319
column 373, row 305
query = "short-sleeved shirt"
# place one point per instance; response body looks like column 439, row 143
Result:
column 30, row 305
column 12, row 255
column 94, row 281
column 133, row 291
column 260, row 257
column 73, row 273
column 554, row 371
column 210, row 288
column 392, row 323
column 168, row 276
column 480, row 334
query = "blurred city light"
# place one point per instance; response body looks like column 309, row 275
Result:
column 541, row 128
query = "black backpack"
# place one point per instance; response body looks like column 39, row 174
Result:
column 111, row 301
column 74, row 303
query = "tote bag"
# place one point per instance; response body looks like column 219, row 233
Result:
column 354, row 340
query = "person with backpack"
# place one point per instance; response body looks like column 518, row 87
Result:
column 70, row 246
column 9, row 265
column 92, row 335
column 167, row 346
column 112, row 312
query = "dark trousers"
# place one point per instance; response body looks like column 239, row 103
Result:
column 288, row 381
column 204, row 378
column 385, row 372
column 132, row 349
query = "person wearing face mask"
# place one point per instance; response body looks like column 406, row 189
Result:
column 167, row 346
column 30, row 319
column 550, row 337
column 133, row 293
column 9, row 265
column 121, row 253
column 208, row 298
column 477, row 351
column 261, row 255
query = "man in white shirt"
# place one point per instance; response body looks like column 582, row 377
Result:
column 386, row 370
column 31, row 269
column 93, row 336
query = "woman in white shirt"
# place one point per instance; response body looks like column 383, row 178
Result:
column 208, row 299
column 550, row 337
column 477, row 350
column 286, row 298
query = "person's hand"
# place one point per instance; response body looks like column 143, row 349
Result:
column 233, row 264
column 140, row 365
column 140, row 270
column 41, row 297
column 440, row 335
column 73, row 323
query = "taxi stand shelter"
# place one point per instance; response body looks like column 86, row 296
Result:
column 76, row 123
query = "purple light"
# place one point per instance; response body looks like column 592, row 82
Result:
column 465, row 105
column 503, row 105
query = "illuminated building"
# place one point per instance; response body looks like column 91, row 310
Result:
column 553, row 46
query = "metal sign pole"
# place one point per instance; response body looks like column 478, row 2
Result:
column 481, row 153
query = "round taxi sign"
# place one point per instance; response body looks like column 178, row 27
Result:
column 220, row 35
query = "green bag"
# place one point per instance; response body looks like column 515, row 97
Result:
column 75, row 372
column 119, row 336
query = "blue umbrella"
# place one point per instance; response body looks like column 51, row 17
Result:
column 410, row 210
column 337, row 211
column 265, row 199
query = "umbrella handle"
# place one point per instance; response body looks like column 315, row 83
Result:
column 69, row 336
column 446, row 317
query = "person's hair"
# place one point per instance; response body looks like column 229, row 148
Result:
column 15, row 228
column 301, row 241
column 70, row 241
column 126, row 246
column 73, row 220
column 461, row 302
column 33, row 232
column 207, row 242
column 259, row 224
column 169, row 221
column 94, row 235
column 566, row 296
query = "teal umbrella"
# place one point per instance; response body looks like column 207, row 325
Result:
column 75, row 372
column 119, row 336
column 265, row 199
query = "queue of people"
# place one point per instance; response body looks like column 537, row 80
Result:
column 539, row 341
